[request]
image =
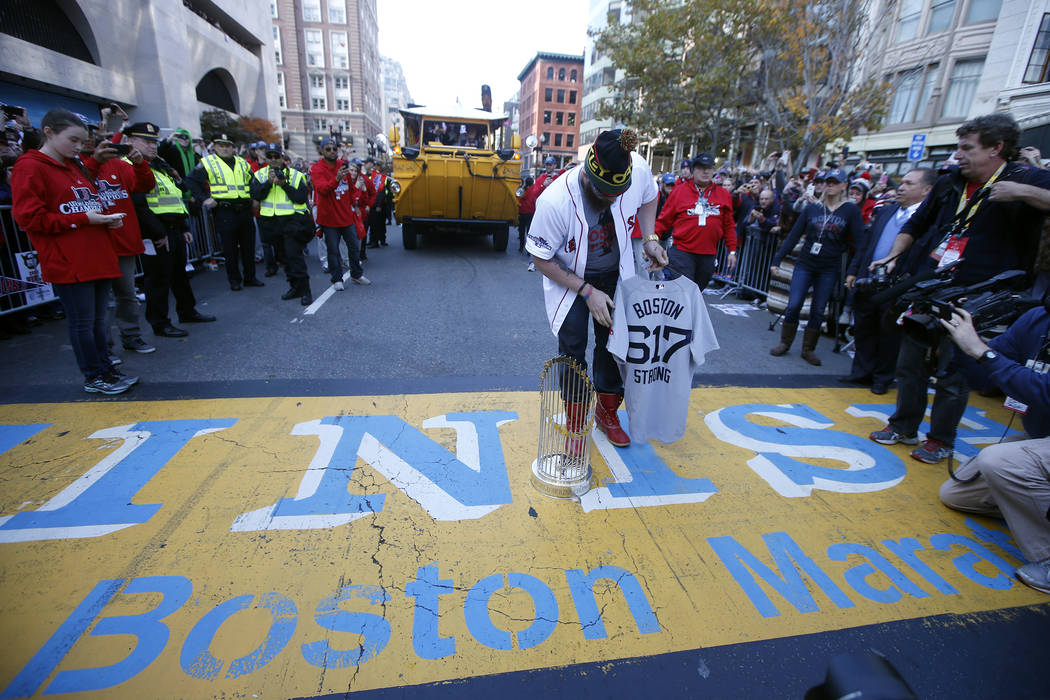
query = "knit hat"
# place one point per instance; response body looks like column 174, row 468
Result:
column 608, row 162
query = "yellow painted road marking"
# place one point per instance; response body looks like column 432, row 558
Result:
column 718, row 535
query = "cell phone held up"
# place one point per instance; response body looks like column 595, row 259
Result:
column 122, row 149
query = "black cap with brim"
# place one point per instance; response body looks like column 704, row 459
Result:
column 143, row 130
column 223, row 138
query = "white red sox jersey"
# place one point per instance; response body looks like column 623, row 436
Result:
column 660, row 334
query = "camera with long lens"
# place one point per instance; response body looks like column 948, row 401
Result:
column 878, row 281
column 994, row 304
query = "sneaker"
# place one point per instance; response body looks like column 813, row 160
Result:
column 1036, row 575
column 113, row 360
column 531, row 267
column 889, row 436
column 116, row 376
column 339, row 286
column 360, row 280
column 932, row 451
column 138, row 345
column 100, row 385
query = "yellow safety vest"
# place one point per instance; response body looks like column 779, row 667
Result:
column 227, row 183
column 166, row 197
column 277, row 202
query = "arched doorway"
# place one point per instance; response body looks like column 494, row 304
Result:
column 218, row 89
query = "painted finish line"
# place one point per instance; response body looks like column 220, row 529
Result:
column 320, row 545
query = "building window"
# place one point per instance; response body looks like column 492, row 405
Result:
column 913, row 92
column 1039, row 61
column 277, row 44
column 280, row 91
column 340, row 53
column 572, row 97
column 319, row 125
column 557, row 140
column 962, row 87
column 561, row 96
column 561, row 74
column 572, row 118
column 546, row 140
column 273, row 8
column 547, row 116
column 983, row 10
column 312, row 10
column 908, row 19
column 941, row 14
column 548, row 94
column 314, row 48
column 318, row 103
column 341, row 82
column 337, row 11
column 342, row 104
column 568, row 140
column 284, row 122
column 550, row 73
column 572, row 76
column 316, row 81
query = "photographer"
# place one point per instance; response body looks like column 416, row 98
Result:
column 985, row 216
column 1011, row 480
column 284, row 219
column 877, row 343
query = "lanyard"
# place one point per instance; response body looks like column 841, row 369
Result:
column 974, row 201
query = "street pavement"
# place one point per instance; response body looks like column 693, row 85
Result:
column 452, row 309
column 338, row 503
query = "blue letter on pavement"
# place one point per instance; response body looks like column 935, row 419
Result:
column 581, row 586
column 100, row 502
column 789, row 583
column 374, row 629
column 426, row 589
column 196, row 659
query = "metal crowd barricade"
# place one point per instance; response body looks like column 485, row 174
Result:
column 21, row 284
column 754, row 256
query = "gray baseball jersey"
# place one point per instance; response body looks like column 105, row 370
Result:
column 660, row 334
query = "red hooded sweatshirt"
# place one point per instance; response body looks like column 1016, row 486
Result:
column 680, row 214
column 116, row 180
column 50, row 201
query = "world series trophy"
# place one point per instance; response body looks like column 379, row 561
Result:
column 562, row 468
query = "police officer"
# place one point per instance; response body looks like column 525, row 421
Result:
column 284, row 218
column 163, row 217
column 221, row 183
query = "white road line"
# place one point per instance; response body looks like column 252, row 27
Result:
column 325, row 296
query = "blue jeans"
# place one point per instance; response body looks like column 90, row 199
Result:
column 85, row 305
column 822, row 282
column 572, row 337
column 335, row 262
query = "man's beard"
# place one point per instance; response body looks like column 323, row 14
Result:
column 595, row 201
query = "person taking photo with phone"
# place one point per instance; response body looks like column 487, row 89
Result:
column 57, row 203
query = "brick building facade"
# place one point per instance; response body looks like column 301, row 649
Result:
column 551, row 93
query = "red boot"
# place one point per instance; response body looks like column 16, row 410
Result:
column 607, row 421
column 576, row 440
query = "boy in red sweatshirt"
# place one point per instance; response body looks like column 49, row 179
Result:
column 335, row 196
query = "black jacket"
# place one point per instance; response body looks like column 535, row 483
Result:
column 866, row 248
column 1002, row 235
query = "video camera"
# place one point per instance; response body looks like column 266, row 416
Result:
column 927, row 297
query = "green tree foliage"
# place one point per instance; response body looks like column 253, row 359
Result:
column 686, row 66
column 241, row 130
column 696, row 70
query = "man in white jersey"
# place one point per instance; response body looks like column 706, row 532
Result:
column 580, row 240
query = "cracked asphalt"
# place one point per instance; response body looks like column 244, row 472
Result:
column 383, row 558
